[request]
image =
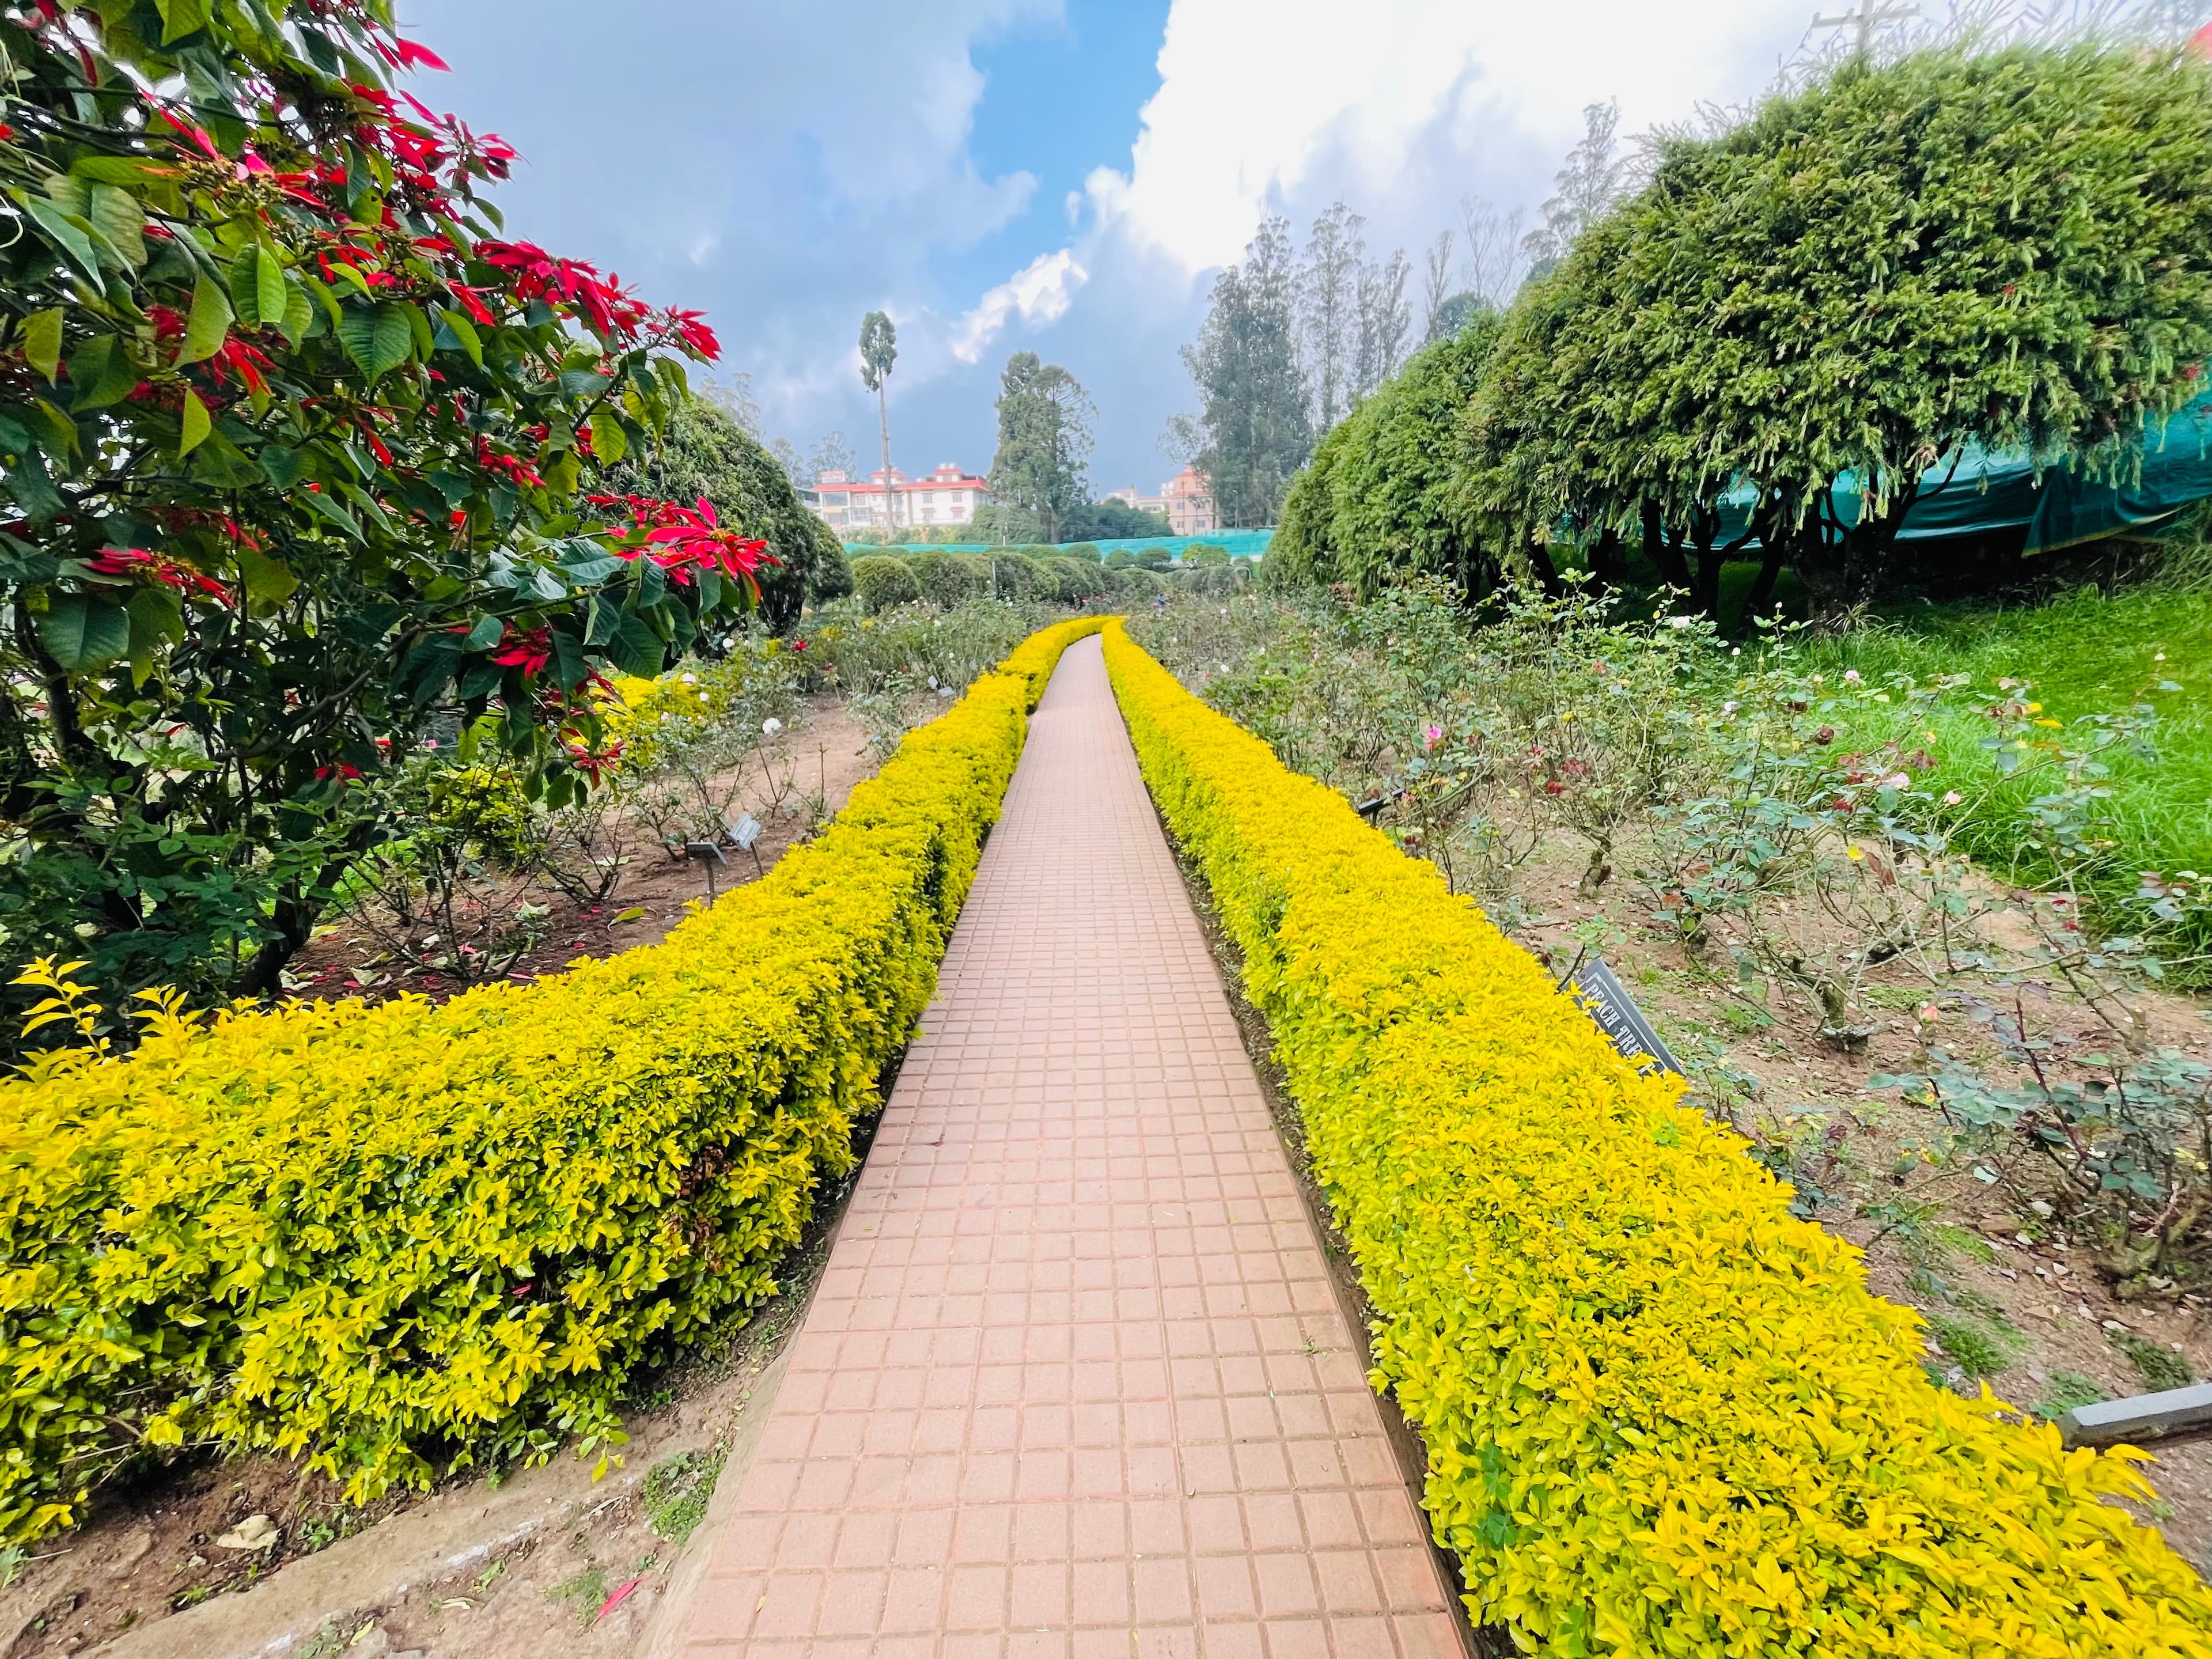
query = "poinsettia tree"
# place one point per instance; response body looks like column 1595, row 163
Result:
column 299, row 454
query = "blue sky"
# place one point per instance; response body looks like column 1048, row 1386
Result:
column 1057, row 175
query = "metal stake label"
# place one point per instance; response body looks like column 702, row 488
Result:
column 1614, row 1012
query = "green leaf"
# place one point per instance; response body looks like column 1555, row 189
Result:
column 341, row 272
column 246, row 289
column 210, row 322
column 367, row 503
column 73, row 196
column 102, row 372
column 487, row 633
column 321, row 502
column 282, row 465
column 42, row 341
column 81, row 632
column 33, row 491
column 636, row 649
column 197, row 424
column 299, row 314
column 269, row 299
column 378, row 338
column 180, row 18
column 121, row 222
column 606, row 622
column 71, row 241
column 156, row 614
column 128, row 171
column 321, row 295
column 266, row 579
column 56, row 434
column 426, row 341
column 610, row 443
column 464, row 332
column 570, row 665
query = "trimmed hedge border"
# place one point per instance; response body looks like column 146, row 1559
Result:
column 1661, row 1415
column 371, row 1235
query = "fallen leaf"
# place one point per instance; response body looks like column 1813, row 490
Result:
column 618, row 1598
column 631, row 914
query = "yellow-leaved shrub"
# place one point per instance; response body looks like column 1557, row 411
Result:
column 375, row 1235
column 1661, row 1415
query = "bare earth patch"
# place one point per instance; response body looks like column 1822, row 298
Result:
column 831, row 755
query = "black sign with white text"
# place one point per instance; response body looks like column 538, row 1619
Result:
column 1615, row 1014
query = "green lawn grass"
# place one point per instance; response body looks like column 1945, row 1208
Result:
column 2085, row 654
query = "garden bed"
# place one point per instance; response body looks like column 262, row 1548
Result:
column 832, row 751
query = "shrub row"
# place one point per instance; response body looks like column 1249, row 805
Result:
column 1662, row 1416
column 885, row 579
column 376, row 1236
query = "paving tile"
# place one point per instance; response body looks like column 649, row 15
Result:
column 1074, row 1385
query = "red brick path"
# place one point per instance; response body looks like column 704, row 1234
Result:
column 1074, row 1385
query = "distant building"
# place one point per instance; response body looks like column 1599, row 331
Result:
column 947, row 495
column 1186, row 501
column 1189, row 497
column 1143, row 503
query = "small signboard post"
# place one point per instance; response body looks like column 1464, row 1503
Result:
column 2147, row 1417
column 742, row 833
column 745, row 832
column 709, row 853
column 1607, row 1001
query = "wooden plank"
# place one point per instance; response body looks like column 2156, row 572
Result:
column 2144, row 1417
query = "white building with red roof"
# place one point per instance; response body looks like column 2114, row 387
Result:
column 948, row 496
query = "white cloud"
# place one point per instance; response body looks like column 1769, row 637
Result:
column 1261, row 98
column 1038, row 293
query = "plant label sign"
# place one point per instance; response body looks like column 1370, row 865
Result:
column 745, row 831
column 1607, row 1001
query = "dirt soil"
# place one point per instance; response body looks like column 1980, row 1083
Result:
column 2042, row 1292
column 181, row 1535
column 830, row 755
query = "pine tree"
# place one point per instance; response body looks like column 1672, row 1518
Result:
column 1328, row 306
column 1045, row 420
column 1582, row 189
column 1254, row 430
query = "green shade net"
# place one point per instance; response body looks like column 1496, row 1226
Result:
column 2062, row 508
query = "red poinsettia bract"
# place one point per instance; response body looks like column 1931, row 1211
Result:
column 678, row 537
column 137, row 561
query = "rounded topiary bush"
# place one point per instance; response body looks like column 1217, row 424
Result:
column 1071, row 581
column 1018, row 578
column 881, row 582
column 832, row 575
column 941, row 579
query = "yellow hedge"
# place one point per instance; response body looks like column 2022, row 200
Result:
column 378, row 1235
column 1663, row 1416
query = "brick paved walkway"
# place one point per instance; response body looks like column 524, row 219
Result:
column 1074, row 1385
